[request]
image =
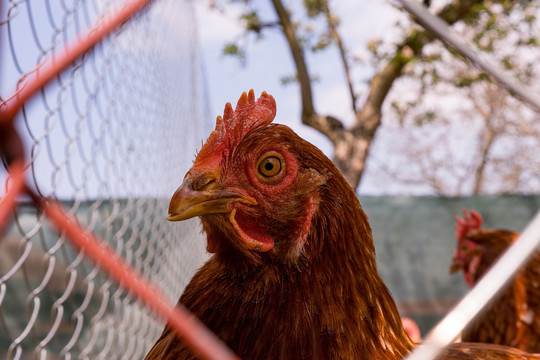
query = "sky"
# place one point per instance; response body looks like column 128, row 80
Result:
column 267, row 61
column 93, row 131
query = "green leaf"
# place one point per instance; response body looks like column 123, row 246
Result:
column 252, row 21
column 289, row 79
column 233, row 50
column 313, row 7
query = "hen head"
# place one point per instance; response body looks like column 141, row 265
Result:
column 468, row 253
column 477, row 249
column 253, row 184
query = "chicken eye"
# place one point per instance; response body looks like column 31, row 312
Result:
column 270, row 166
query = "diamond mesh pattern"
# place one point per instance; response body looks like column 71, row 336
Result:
column 111, row 138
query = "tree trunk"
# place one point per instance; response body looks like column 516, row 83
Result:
column 350, row 155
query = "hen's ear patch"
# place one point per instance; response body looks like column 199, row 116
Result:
column 234, row 125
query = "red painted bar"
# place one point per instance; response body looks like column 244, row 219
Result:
column 203, row 342
column 60, row 60
column 7, row 204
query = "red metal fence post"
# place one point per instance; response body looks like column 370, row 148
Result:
column 202, row 341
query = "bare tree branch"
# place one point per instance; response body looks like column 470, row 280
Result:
column 327, row 125
column 369, row 118
column 490, row 134
column 330, row 18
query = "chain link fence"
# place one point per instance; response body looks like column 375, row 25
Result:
column 109, row 138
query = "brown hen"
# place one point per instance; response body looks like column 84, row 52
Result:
column 293, row 273
column 513, row 319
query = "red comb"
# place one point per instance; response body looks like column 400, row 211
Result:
column 234, row 125
column 471, row 221
column 247, row 114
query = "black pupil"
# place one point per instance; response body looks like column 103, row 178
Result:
column 268, row 166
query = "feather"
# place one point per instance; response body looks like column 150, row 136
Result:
column 509, row 319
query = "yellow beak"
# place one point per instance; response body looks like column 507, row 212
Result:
column 190, row 200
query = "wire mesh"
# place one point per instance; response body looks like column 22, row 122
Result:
column 107, row 137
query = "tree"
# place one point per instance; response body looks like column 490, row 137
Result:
column 498, row 132
column 352, row 143
column 485, row 145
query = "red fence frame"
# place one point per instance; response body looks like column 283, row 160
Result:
column 201, row 340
